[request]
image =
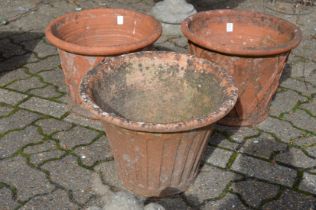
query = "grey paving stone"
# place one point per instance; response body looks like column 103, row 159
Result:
column 26, row 84
column 45, row 107
column 64, row 99
column 69, row 174
column 304, row 88
column 109, row 174
column 41, row 48
column 262, row 146
column 173, row 203
column 42, row 152
column 284, row 102
column 11, row 97
column 229, row 202
column 8, row 49
column 254, row 191
column 74, row 118
column 308, row 183
column 17, row 120
column 210, row 183
column 264, row 170
column 237, row 134
column 41, row 147
column 297, row 158
column 76, row 136
column 311, row 151
column 97, row 151
column 312, row 77
column 301, row 68
column 169, row 46
column 11, row 76
column 44, row 64
column 281, row 129
column 16, row 62
column 26, row 36
column 55, row 200
column 311, row 106
column 5, row 110
column 6, row 199
column 217, row 156
column 306, row 46
column 56, row 78
column 217, row 139
column 292, row 200
column 11, row 9
column 305, row 142
column 28, row 181
column 181, row 41
column 302, row 120
column 47, row 92
column 15, row 140
column 50, row 126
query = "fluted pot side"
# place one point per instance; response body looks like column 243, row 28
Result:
column 152, row 164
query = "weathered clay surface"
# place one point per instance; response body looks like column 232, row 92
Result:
column 85, row 38
column 253, row 47
column 157, row 140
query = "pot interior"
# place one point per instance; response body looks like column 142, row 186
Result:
column 104, row 28
column 242, row 30
column 152, row 90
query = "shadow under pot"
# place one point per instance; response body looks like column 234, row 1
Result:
column 157, row 109
column 253, row 47
column 84, row 38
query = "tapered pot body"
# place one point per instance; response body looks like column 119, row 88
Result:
column 253, row 47
column 84, row 38
column 158, row 109
column 157, row 164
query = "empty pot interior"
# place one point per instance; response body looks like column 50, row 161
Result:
column 242, row 30
column 104, row 28
column 156, row 91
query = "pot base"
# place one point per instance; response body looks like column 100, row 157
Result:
column 169, row 191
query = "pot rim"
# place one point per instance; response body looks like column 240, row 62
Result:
column 191, row 36
column 230, row 91
column 101, row 51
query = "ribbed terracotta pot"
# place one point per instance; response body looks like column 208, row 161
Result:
column 157, row 109
column 253, row 47
column 84, row 38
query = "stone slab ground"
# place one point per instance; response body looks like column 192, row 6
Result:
column 50, row 158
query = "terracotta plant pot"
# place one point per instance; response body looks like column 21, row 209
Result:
column 157, row 109
column 252, row 46
column 84, row 38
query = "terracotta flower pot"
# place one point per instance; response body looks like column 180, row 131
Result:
column 252, row 46
column 84, row 38
column 157, row 109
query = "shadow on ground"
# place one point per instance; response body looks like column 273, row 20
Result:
column 203, row 5
column 16, row 49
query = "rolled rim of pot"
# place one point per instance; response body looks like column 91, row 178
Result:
column 238, row 32
column 81, row 33
column 230, row 94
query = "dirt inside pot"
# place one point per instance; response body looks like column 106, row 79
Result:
column 157, row 92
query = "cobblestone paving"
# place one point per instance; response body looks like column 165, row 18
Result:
column 49, row 156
